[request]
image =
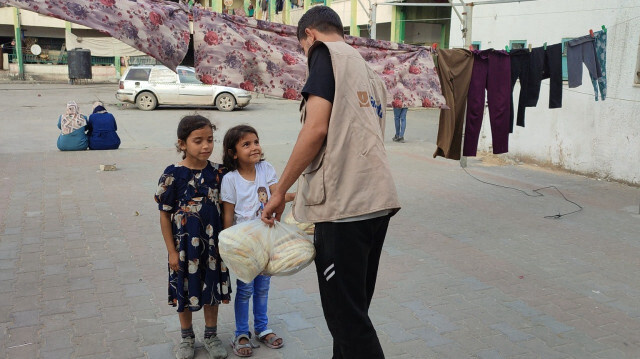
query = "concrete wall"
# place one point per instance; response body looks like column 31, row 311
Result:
column 46, row 72
column 595, row 138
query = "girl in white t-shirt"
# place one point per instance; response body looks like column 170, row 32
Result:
column 245, row 191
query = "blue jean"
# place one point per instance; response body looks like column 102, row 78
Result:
column 400, row 117
column 259, row 289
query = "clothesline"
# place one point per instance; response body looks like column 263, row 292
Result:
column 591, row 94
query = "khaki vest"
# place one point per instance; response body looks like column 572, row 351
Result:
column 350, row 176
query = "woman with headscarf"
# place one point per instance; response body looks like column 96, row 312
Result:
column 72, row 125
column 102, row 129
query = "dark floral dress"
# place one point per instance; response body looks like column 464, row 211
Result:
column 193, row 199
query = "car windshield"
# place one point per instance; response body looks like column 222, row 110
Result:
column 188, row 77
column 138, row 74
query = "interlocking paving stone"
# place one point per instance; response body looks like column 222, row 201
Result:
column 296, row 296
column 136, row 290
column 555, row 326
column 294, row 321
column 512, row 333
column 26, row 318
column 459, row 277
column 431, row 337
column 396, row 333
column 431, row 316
column 489, row 354
column 159, row 351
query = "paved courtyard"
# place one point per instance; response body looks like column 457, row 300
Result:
column 469, row 270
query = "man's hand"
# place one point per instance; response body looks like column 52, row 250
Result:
column 274, row 206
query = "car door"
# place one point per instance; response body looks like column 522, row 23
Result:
column 191, row 90
column 164, row 83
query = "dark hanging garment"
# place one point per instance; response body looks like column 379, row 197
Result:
column 582, row 50
column 491, row 72
column 546, row 64
column 454, row 70
column 520, row 63
column 601, row 57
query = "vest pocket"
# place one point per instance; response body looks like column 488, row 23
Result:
column 313, row 182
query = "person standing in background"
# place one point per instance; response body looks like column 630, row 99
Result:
column 400, row 118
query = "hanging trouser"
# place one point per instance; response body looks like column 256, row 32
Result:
column 582, row 50
column 454, row 70
column 520, row 68
column 546, row 64
column 491, row 71
column 601, row 57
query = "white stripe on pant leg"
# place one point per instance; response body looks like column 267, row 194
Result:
column 331, row 275
column 328, row 269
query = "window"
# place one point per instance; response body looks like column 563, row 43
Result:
column 476, row 45
column 517, row 44
column 565, row 74
column 162, row 75
column 138, row 74
column 187, row 77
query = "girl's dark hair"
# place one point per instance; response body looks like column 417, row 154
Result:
column 231, row 139
column 189, row 124
column 321, row 18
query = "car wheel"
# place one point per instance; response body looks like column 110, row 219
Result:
column 146, row 101
column 225, row 102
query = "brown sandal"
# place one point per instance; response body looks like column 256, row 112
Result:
column 236, row 346
column 262, row 338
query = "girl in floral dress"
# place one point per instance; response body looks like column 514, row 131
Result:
column 190, row 220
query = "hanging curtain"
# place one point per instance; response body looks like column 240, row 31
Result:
column 266, row 57
column 155, row 27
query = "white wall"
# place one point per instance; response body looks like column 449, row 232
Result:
column 597, row 138
column 48, row 72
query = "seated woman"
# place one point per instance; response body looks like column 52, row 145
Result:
column 72, row 127
column 102, row 129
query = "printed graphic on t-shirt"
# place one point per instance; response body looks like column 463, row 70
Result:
column 263, row 197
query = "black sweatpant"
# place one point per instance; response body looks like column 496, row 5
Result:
column 520, row 59
column 347, row 258
column 546, row 64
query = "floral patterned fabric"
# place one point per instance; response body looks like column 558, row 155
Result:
column 193, row 199
column 158, row 28
column 266, row 57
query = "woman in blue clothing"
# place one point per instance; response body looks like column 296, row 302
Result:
column 72, row 125
column 102, row 129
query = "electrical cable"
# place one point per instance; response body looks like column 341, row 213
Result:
column 537, row 194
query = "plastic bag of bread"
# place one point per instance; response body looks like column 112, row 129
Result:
column 308, row 228
column 244, row 250
column 290, row 250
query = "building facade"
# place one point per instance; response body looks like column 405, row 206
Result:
column 597, row 138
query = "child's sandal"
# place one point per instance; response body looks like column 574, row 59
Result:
column 262, row 338
column 236, row 346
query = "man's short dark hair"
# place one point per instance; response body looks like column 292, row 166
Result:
column 321, row 18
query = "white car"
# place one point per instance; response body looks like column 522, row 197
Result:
column 149, row 86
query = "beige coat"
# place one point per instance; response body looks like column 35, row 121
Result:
column 350, row 176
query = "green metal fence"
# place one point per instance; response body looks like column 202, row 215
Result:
column 60, row 59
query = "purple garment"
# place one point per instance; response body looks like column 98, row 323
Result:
column 266, row 57
column 491, row 71
column 157, row 28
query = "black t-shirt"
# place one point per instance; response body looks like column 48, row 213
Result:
column 321, row 81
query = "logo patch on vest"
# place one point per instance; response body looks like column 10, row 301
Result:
column 363, row 98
